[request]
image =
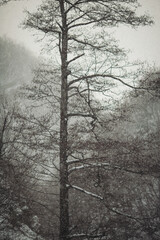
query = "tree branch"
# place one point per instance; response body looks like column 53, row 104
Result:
column 88, row 236
column 75, row 58
column 86, row 192
column 101, row 198
column 81, row 115
column 92, row 165
column 105, row 76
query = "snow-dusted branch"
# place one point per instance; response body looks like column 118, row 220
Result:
column 88, row 236
column 108, row 165
column 81, row 115
column 86, row 192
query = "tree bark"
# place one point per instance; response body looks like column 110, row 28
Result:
column 64, row 209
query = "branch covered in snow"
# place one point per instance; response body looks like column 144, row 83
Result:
column 108, row 165
column 82, row 235
column 86, row 192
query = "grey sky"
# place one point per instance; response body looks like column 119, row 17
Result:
column 143, row 42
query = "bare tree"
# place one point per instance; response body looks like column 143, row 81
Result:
column 89, row 62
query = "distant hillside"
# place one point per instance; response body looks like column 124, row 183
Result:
column 16, row 64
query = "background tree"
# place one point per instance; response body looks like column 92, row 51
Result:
column 87, row 60
column 137, row 147
column 17, row 219
column 17, row 173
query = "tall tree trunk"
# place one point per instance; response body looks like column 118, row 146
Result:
column 64, row 211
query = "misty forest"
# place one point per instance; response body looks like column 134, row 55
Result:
column 79, row 129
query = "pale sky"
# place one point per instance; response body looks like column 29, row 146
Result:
column 144, row 42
